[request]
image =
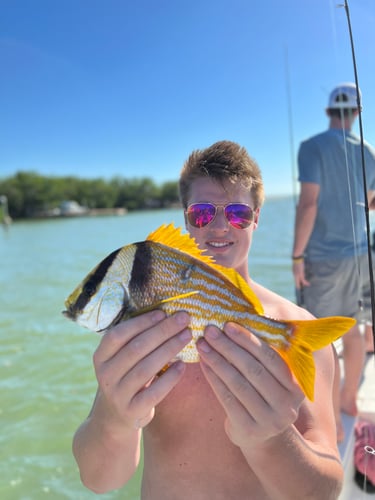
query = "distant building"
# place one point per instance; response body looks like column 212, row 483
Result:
column 5, row 219
column 70, row 208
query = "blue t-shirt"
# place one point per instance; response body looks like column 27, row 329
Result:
column 333, row 159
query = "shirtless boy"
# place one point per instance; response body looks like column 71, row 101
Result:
column 236, row 425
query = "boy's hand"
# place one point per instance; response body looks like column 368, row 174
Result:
column 128, row 358
column 252, row 382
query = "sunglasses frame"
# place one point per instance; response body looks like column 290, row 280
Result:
column 223, row 206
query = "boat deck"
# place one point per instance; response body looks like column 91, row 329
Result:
column 366, row 406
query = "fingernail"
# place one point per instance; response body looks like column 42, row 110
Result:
column 185, row 335
column 230, row 328
column 203, row 346
column 179, row 366
column 158, row 315
column 182, row 318
column 212, row 332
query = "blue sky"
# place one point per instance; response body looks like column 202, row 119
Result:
column 118, row 87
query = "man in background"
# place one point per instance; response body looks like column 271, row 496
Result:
column 330, row 263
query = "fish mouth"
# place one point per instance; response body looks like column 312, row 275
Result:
column 68, row 314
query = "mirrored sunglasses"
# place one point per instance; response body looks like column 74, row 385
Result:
column 239, row 215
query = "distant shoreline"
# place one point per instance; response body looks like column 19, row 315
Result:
column 117, row 211
column 90, row 212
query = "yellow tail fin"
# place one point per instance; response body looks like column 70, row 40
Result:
column 307, row 337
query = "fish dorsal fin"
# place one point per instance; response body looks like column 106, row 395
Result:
column 172, row 237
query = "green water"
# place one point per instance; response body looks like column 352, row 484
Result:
column 47, row 382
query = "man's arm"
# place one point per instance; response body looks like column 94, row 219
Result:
column 305, row 216
column 371, row 200
column 288, row 442
column 107, row 457
column 130, row 355
column 304, row 223
column 303, row 461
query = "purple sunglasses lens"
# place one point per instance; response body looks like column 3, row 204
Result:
column 201, row 214
column 239, row 215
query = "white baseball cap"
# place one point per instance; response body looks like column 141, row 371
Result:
column 344, row 96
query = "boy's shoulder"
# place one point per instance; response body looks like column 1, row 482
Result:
column 278, row 307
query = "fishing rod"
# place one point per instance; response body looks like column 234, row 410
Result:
column 299, row 292
column 290, row 126
column 363, row 165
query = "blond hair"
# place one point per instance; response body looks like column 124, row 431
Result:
column 223, row 161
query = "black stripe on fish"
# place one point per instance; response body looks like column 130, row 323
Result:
column 89, row 288
column 142, row 266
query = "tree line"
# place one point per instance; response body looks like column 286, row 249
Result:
column 30, row 194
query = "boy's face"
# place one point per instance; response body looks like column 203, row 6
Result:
column 228, row 245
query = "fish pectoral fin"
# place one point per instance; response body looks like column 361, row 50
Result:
column 178, row 297
column 163, row 301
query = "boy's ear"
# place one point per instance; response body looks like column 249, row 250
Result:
column 256, row 218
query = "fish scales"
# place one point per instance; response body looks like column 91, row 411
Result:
column 199, row 279
column 223, row 309
column 169, row 271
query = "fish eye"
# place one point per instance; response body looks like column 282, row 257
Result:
column 89, row 288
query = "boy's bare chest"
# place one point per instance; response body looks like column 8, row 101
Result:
column 190, row 405
column 187, row 442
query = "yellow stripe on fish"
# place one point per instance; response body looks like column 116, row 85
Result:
column 170, row 272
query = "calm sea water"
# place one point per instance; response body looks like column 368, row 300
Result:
column 47, row 382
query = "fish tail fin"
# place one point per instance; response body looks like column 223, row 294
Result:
column 307, row 337
column 301, row 363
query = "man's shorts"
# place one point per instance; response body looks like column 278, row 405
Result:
column 337, row 287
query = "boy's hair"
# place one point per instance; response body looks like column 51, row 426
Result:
column 223, row 161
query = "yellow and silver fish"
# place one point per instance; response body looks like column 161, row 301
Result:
column 170, row 272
